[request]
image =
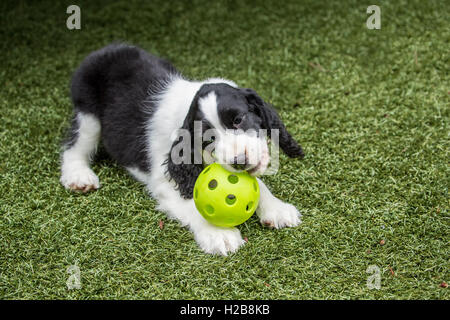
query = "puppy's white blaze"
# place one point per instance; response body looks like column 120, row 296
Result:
column 208, row 105
column 224, row 147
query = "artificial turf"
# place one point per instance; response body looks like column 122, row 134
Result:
column 370, row 108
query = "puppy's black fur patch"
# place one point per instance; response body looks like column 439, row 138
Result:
column 114, row 84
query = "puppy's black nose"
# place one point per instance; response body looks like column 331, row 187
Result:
column 240, row 159
column 240, row 162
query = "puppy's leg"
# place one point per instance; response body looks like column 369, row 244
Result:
column 210, row 238
column 84, row 136
column 275, row 213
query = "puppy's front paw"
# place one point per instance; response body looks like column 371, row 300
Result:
column 79, row 179
column 217, row 240
column 278, row 214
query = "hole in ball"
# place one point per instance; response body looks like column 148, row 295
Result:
column 212, row 184
column 249, row 206
column 209, row 209
column 233, row 179
column 230, row 199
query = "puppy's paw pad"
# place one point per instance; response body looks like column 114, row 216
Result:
column 215, row 240
column 83, row 179
column 268, row 223
column 279, row 215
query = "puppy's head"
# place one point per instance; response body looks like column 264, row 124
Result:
column 231, row 123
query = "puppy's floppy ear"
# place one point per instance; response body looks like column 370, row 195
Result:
column 271, row 120
column 185, row 173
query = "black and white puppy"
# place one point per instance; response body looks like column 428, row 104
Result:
column 135, row 103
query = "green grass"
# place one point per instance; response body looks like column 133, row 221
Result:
column 370, row 107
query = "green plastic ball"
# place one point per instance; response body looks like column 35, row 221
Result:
column 224, row 198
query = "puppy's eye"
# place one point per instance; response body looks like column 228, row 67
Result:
column 237, row 120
